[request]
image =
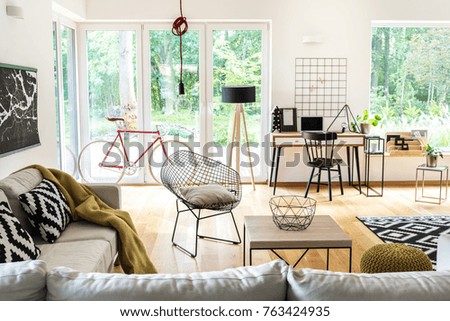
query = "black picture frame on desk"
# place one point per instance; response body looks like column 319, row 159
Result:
column 288, row 119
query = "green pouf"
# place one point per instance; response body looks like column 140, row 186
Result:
column 394, row 257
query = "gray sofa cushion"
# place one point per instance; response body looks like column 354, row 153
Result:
column 19, row 183
column 22, row 281
column 84, row 230
column 85, row 256
column 319, row 285
column 265, row 282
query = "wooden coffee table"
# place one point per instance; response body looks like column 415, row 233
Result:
column 260, row 233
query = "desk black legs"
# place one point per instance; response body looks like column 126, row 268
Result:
column 272, row 164
column 276, row 154
column 275, row 164
column 358, row 172
column 349, row 160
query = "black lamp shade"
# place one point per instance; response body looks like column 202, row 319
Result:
column 238, row 94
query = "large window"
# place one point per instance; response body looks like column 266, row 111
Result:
column 410, row 80
column 237, row 60
column 172, row 114
column 66, row 94
column 111, row 74
column 134, row 70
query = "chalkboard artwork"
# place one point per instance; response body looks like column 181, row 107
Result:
column 18, row 109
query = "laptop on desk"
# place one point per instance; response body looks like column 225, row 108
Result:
column 311, row 124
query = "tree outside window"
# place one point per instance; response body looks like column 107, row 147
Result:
column 410, row 80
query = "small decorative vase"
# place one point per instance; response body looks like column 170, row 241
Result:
column 431, row 160
column 365, row 128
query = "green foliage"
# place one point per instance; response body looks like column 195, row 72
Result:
column 236, row 61
column 438, row 128
column 367, row 119
column 410, row 80
column 433, row 151
column 411, row 112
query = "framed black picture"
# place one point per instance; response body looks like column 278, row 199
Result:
column 18, row 109
column 289, row 119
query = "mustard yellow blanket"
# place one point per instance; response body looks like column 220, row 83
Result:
column 85, row 204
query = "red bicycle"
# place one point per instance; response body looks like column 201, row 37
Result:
column 108, row 161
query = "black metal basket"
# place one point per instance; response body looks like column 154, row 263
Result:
column 292, row 212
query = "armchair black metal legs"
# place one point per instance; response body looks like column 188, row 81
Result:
column 198, row 218
column 201, row 185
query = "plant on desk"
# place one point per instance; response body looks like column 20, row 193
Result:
column 432, row 154
column 366, row 121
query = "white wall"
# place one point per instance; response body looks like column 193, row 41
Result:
column 28, row 42
column 345, row 26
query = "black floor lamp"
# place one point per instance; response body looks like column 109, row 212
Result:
column 239, row 95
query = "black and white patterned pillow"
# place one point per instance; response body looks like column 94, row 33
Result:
column 47, row 210
column 15, row 243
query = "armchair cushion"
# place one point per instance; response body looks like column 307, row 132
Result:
column 208, row 195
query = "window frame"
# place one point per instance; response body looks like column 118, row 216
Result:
column 57, row 22
column 143, row 94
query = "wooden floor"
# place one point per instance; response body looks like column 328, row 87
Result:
column 153, row 211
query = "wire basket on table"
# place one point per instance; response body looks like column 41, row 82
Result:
column 291, row 212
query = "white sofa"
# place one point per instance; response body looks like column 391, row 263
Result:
column 273, row 281
column 82, row 245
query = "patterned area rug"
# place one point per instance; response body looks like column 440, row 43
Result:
column 419, row 231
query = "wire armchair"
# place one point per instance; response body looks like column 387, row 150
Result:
column 185, row 170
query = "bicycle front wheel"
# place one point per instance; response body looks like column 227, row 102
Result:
column 94, row 167
column 156, row 157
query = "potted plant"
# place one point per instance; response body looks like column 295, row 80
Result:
column 366, row 121
column 432, row 154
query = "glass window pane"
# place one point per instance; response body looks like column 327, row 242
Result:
column 66, row 106
column 410, row 80
column 111, row 80
column 55, row 74
column 174, row 114
column 69, row 109
column 237, row 61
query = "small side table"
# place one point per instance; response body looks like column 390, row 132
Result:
column 374, row 146
column 439, row 169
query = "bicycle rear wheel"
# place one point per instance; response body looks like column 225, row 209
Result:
column 156, row 157
column 95, row 168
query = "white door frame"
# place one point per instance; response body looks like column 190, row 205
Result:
column 143, row 93
column 83, row 74
column 265, row 82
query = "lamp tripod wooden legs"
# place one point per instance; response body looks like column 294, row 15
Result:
column 236, row 141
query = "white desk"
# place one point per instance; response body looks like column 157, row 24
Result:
column 294, row 139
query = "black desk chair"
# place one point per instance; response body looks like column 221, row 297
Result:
column 321, row 155
column 201, row 183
